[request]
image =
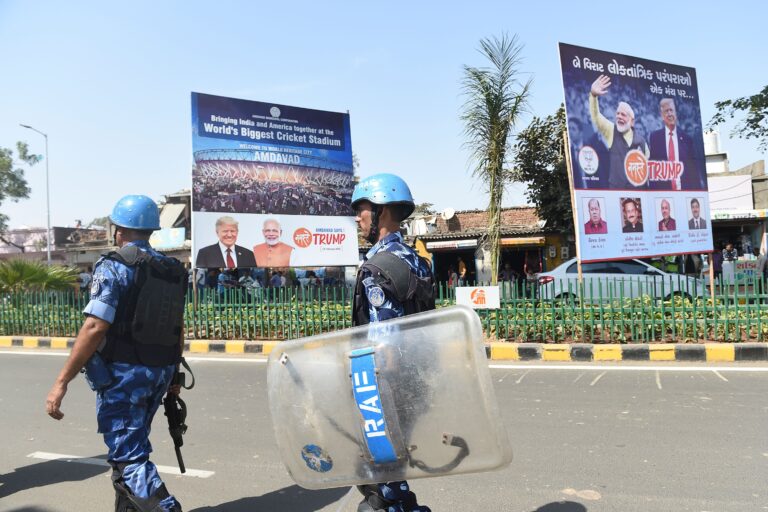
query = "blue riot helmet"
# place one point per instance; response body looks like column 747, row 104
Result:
column 136, row 212
column 385, row 189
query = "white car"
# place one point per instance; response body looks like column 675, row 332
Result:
column 612, row 280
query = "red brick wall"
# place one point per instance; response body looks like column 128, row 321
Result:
column 477, row 220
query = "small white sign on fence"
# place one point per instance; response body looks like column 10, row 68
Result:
column 478, row 297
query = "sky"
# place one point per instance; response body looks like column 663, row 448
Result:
column 110, row 82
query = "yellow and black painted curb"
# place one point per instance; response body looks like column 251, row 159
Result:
column 497, row 351
column 35, row 342
column 229, row 347
column 706, row 352
column 191, row 346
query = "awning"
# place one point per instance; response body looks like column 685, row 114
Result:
column 452, row 244
column 170, row 214
column 523, row 241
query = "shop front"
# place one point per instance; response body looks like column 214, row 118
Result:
column 458, row 241
column 745, row 229
column 456, row 255
column 519, row 256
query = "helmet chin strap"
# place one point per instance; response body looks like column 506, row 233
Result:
column 373, row 234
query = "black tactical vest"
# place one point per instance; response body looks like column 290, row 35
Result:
column 149, row 320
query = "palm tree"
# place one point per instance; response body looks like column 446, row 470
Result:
column 23, row 275
column 495, row 99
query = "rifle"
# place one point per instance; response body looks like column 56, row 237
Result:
column 176, row 412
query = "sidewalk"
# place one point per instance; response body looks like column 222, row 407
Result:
column 496, row 351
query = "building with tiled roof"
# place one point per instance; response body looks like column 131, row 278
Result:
column 454, row 240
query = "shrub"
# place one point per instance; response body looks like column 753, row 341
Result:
column 22, row 275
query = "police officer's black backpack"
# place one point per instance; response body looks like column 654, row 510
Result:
column 149, row 321
column 394, row 276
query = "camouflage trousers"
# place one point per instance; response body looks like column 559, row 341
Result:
column 124, row 412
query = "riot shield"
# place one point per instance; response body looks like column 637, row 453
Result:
column 402, row 399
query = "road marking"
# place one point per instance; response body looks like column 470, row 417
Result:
column 586, row 494
column 577, row 378
column 227, row 359
column 597, row 379
column 718, row 374
column 518, row 381
column 170, row 470
column 629, row 368
column 34, row 353
column 223, row 358
column 658, row 380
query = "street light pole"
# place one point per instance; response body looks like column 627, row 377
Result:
column 47, row 193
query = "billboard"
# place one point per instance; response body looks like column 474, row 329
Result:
column 271, row 185
column 637, row 156
column 168, row 238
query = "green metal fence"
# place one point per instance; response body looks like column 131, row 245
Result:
column 636, row 309
column 268, row 313
column 41, row 313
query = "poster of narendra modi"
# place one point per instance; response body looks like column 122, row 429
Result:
column 635, row 131
column 271, row 185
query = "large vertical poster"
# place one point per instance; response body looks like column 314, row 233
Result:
column 271, row 185
column 637, row 153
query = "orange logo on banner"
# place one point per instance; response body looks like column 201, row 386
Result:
column 636, row 168
column 477, row 296
column 302, row 237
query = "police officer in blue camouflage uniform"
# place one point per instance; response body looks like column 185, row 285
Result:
column 380, row 203
column 128, row 394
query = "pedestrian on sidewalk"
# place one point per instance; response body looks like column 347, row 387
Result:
column 760, row 257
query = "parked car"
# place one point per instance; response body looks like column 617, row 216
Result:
column 617, row 279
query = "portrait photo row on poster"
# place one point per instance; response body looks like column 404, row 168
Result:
column 271, row 185
column 637, row 156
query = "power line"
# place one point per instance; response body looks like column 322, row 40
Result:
column 734, row 186
column 729, row 198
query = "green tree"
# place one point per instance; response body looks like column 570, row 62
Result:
column 13, row 185
column 495, row 99
column 755, row 123
column 424, row 209
column 540, row 163
column 23, row 275
column 99, row 221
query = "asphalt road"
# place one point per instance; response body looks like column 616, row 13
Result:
column 585, row 437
